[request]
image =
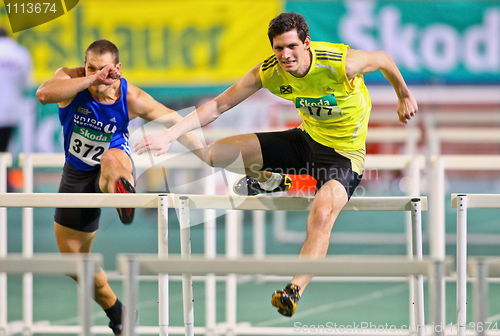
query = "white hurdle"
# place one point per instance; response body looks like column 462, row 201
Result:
column 438, row 165
column 411, row 164
column 364, row 203
column 462, row 202
column 5, row 161
column 482, row 270
column 187, row 281
column 83, row 266
column 212, row 202
column 43, row 160
column 133, row 266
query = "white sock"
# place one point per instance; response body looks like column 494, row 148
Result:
column 272, row 182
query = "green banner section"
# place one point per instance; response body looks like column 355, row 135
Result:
column 452, row 42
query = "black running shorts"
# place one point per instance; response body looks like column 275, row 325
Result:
column 5, row 134
column 77, row 181
column 295, row 152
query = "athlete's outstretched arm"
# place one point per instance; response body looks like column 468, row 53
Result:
column 141, row 104
column 205, row 114
column 360, row 62
column 67, row 82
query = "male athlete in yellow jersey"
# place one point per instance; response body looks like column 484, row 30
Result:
column 325, row 82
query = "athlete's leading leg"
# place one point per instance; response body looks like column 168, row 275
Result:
column 325, row 208
column 116, row 177
column 115, row 163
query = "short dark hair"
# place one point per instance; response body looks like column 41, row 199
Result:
column 286, row 22
column 101, row 47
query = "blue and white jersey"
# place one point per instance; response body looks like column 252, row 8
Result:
column 90, row 128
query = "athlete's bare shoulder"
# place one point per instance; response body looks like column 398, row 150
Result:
column 133, row 93
column 137, row 100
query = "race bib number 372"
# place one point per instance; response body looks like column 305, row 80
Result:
column 89, row 145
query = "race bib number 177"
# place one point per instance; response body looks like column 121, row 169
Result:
column 323, row 108
column 89, row 145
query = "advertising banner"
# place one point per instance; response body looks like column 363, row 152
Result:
column 161, row 42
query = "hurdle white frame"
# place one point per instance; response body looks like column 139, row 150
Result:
column 83, row 266
column 437, row 165
column 462, row 202
column 44, row 160
column 132, row 266
column 412, row 164
column 201, row 202
column 5, row 162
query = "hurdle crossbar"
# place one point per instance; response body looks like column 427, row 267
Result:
column 478, row 201
column 83, row 266
column 468, row 134
column 145, row 200
column 134, row 265
column 365, row 266
column 47, row 263
column 172, row 160
column 375, row 161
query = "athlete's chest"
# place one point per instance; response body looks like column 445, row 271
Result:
column 315, row 95
column 317, row 83
column 106, row 118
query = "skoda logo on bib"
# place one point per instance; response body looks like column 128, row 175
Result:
column 89, row 145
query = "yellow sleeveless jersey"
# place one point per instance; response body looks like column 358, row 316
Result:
column 335, row 112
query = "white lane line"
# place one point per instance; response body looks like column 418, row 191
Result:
column 493, row 318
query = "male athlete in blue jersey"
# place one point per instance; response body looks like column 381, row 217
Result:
column 95, row 106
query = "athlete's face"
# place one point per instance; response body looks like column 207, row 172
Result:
column 95, row 62
column 293, row 54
